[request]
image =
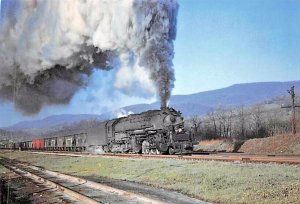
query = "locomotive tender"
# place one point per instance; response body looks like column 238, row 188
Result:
column 154, row 131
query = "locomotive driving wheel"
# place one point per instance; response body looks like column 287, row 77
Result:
column 171, row 150
column 106, row 149
column 145, row 147
column 136, row 147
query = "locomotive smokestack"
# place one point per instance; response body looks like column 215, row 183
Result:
column 163, row 105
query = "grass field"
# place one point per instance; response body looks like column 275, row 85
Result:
column 217, row 182
column 2, row 169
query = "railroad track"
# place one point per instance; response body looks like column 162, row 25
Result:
column 80, row 190
column 229, row 157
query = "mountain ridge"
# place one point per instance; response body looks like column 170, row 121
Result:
column 53, row 120
column 192, row 104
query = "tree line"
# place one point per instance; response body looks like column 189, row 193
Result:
column 242, row 123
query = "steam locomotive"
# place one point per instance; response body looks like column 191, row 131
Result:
column 151, row 132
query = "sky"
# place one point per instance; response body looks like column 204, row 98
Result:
column 224, row 42
column 219, row 43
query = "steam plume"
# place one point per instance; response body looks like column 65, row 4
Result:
column 49, row 48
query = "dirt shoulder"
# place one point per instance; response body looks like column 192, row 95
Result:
column 286, row 144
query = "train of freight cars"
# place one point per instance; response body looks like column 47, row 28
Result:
column 154, row 131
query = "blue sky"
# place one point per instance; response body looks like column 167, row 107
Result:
column 223, row 42
column 219, row 43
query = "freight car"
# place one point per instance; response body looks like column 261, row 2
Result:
column 26, row 145
column 38, row 144
column 154, row 131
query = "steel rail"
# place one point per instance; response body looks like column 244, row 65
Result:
column 91, row 184
column 54, row 185
column 99, row 186
column 229, row 157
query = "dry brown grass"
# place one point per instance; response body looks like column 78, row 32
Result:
column 214, row 146
column 208, row 142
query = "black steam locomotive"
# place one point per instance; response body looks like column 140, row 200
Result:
column 151, row 132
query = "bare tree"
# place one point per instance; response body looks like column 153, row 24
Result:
column 259, row 128
column 196, row 123
column 224, row 117
column 212, row 117
column 241, row 123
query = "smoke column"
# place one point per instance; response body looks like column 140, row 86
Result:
column 49, row 48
